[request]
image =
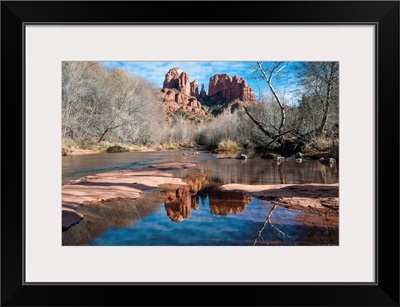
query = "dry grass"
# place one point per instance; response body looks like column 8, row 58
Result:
column 71, row 147
column 65, row 151
column 228, row 145
column 323, row 146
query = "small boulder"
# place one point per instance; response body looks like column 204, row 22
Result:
column 241, row 157
column 298, row 155
column 279, row 158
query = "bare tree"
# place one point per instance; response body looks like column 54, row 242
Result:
column 97, row 104
column 321, row 82
column 269, row 71
column 82, row 94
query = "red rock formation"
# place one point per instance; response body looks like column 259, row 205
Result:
column 194, row 89
column 194, row 103
column 218, row 83
column 169, row 94
column 223, row 87
column 240, row 90
column 172, row 78
column 179, row 94
column 181, row 98
column 178, row 79
column 202, row 92
column 184, row 84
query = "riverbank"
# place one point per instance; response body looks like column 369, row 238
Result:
column 86, row 147
column 293, row 196
column 114, row 186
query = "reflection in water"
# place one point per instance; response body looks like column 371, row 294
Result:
column 253, row 226
column 251, row 171
column 179, row 200
column 225, row 202
column 104, row 216
column 179, row 209
column 298, row 227
column 261, row 171
column 201, row 214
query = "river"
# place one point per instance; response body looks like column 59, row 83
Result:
column 203, row 216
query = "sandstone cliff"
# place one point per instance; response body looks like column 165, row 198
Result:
column 224, row 88
column 178, row 79
column 224, row 94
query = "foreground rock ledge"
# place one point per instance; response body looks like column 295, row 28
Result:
column 126, row 184
column 293, row 196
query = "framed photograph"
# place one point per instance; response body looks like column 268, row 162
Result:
column 242, row 146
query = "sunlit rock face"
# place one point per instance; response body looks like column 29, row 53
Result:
column 194, row 89
column 178, row 79
column 180, row 95
column 169, row 94
column 224, row 88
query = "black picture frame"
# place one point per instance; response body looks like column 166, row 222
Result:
column 383, row 14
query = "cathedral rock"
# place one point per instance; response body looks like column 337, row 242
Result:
column 179, row 94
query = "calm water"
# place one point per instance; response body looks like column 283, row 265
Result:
column 74, row 167
column 202, row 227
column 201, row 214
column 253, row 171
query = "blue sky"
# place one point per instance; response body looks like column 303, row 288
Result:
column 155, row 72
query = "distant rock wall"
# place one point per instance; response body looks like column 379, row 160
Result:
column 223, row 87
